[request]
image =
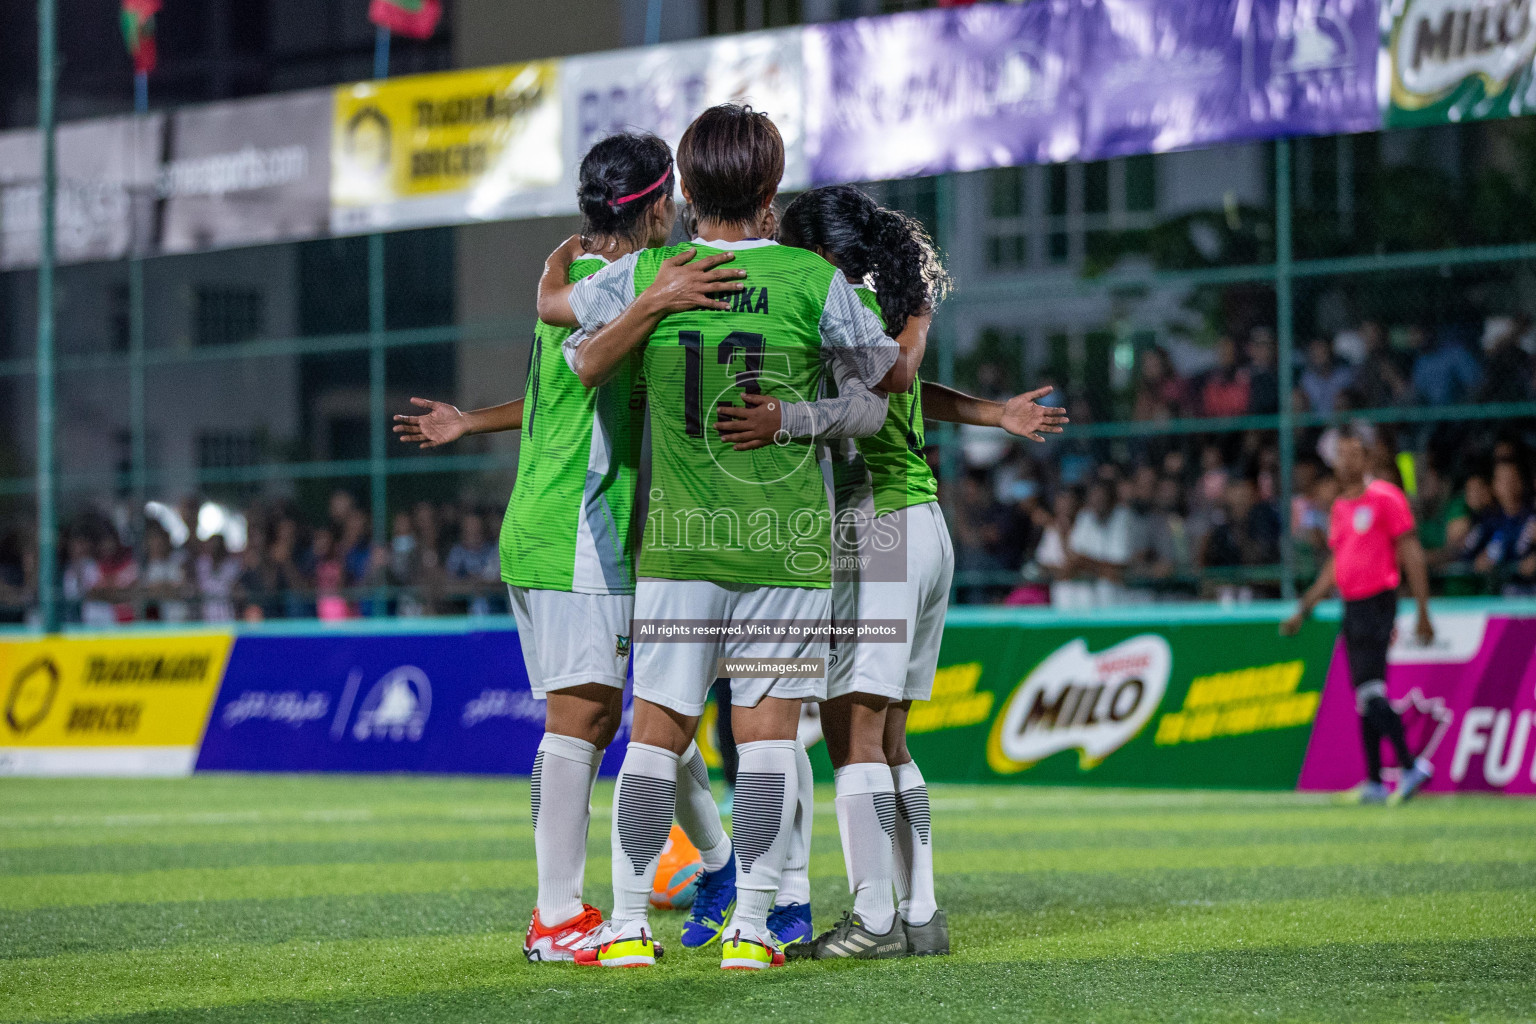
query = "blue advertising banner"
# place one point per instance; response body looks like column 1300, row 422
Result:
column 1159, row 75
column 945, row 90
column 455, row 702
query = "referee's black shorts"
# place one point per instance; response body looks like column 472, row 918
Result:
column 1367, row 635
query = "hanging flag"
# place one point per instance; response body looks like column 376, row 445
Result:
column 415, row 18
column 139, row 33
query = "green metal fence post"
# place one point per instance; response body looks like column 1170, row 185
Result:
column 138, row 469
column 378, row 469
column 47, row 524
column 1285, row 330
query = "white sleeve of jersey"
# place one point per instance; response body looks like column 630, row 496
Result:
column 569, row 346
column 602, row 297
column 856, row 411
column 852, row 335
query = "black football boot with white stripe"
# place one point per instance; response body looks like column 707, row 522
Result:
column 931, row 939
column 850, row 940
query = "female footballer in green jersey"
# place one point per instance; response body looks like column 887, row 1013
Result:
column 567, row 540
column 895, row 563
column 735, row 562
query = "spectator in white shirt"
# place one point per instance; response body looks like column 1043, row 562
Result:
column 217, row 573
column 1052, row 555
column 1100, row 545
column 82, row 575
column 165, row 577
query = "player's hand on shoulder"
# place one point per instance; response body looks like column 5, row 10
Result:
column 684, row 283
column 752, row 424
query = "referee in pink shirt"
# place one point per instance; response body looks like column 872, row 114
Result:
column 1372, row 546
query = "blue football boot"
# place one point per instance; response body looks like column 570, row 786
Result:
column 712, row 905
column 791, row 923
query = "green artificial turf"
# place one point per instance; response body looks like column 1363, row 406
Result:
column 344, row 898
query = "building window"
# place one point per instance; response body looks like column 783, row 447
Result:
column 1141, row 183
column 120, row 328
column 228, row 449
column 1008, row 227
column 722, row 16
column 228, row 316
column 918, row 197
column 1005, row 188
column 1078, row 211
column 1096, row 187
column 1056, row 189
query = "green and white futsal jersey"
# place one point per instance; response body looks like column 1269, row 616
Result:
column 898, row 473
column 759, row 517
column 569, row 520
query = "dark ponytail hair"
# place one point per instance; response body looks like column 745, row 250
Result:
column 862, row 238
column 621, row 178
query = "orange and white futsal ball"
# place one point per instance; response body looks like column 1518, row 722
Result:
column 677, row 876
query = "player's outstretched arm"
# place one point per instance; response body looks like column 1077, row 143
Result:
column 913, row 342
column 1410, row 557
column 680, row 286
column 1320, row 589
column 443, row 423
column 1021, row 415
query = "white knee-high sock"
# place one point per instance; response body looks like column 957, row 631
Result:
column 562, row 791
column 767, row 781
column 643, row 806
column 914, row 845
column 866, row 817
column 697, row 812
column 795, row 885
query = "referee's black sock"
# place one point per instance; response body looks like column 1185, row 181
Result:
column 1371, row 737
column 1389, row 723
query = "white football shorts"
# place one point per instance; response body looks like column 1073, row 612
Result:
column 569, row 639
column 899, row 671
column 678, row 674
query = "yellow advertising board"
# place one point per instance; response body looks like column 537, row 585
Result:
column 129, row 704
column 444, row 147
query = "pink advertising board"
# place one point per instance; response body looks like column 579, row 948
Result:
column 1468, row 701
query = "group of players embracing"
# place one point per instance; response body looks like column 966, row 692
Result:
column 805, row 499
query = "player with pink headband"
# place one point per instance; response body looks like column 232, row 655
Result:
column 567, row 542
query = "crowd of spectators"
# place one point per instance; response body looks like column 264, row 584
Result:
column 1201, row 520
column 1197, row 516
column 1083, row 522
column 1367, row 367
column 265, row 562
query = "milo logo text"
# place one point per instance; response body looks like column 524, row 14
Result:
column 1438, row 43
column 1076, row 699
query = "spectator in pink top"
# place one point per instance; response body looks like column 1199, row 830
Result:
column 1373, row 544
column 1224, row 388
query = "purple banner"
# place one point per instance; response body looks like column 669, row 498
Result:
column 1468, row 704
column 945, row 90
column 1000, row 84
column 456, row 702
column 1167, row 74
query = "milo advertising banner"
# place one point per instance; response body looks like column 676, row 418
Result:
column 1457, row 60
column 1213, row 703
